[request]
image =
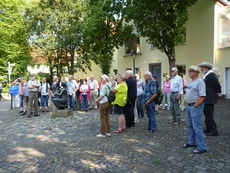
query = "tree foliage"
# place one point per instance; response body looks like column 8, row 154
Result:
column 163, row 22
column 14, row 46
column 104, row 30
column 56, row 27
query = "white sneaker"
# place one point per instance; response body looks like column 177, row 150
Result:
column 100, row 136
column 108, row 134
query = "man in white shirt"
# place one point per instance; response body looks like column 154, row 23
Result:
column 71, row 92
column 93, row 93
column 33, row 86
column 176, row 89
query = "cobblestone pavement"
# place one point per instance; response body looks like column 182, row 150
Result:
column 67, row 145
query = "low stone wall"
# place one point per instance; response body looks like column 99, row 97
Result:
column 62, row 113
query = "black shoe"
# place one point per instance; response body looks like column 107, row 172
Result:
column 148, row 129
column 196, row 151
column 188, row 145
column 212, row 134
column 20, row 112
column 206, row 131
column 24, row 113
column 36, row 115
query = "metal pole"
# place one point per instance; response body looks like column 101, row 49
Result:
column 134, row 57
column 11, row 101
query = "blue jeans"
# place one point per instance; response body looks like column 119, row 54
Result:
column 21, row 100
column 166, row 95
column 140, row 107
column 84, row 102
column 151, row 114
column 194, row 120
column 71, row 101
column 44, row 100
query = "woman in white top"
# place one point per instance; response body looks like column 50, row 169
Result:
column 45, row 89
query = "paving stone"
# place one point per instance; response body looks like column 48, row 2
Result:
column 69, row 144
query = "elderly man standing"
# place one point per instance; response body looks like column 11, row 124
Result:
column 33, row 86
column 195, row 95
column 132, row 95
column 149, row 96
column 93, row 93
column 213, row 89
column 71, row 92
column 176, row 89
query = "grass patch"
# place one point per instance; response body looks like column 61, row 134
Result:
column 89, row 165
column 208, row 155
column 157, row 162
column 52, row 161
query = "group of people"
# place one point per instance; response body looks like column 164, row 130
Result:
column 126, row 97
column 201, row 97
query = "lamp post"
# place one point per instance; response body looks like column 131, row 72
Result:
column 134, row 53
column 9, row 73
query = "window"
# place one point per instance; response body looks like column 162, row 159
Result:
column 115, row 71
column 137, row 70
column 223, row 30
column 181, row 69
column 132, row 45
column 152, row 46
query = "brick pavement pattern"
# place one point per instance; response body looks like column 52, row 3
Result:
column 67, row 145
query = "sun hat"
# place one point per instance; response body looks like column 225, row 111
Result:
column 194, row 68
column 206, row 64
column 174, row 69
column 105, row 77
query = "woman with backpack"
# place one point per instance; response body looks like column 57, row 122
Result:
column 121, row 93
column 103, row 100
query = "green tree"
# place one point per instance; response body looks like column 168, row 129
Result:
column 56, row 29
column 163, row 22
column 104, row 30
column 14, row 45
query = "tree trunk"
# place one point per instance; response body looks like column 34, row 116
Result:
column 172, row 60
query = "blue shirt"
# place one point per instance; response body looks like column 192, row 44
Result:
column 71, row 87
column 14, row 90
column 27, row 91
column 150, row 89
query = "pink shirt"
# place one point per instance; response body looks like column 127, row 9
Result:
column 166, row 87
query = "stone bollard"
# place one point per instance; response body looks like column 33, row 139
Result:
column 62, row 113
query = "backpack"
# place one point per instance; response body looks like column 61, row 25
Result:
column 111, row 97
column 159, row 97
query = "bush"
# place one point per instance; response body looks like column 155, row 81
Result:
column 5, row 88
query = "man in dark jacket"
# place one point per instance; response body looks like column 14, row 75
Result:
column 213, row 89
column 132, row 95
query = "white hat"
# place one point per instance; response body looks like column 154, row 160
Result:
column 206, row 64
column 194, row 68
column 105, row 77
column 174, row 69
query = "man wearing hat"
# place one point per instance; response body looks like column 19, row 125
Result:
column 195, row 95
column 33, row 86
column 176, row 89
column 212, row 89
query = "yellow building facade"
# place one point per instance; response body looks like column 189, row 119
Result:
column 202, row 33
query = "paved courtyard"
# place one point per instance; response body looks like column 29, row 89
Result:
column 67, row 145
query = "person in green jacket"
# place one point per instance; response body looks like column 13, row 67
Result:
column 121, row 93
